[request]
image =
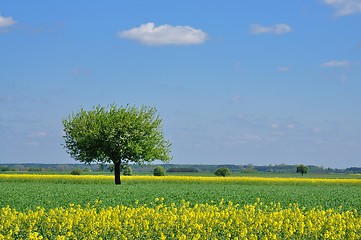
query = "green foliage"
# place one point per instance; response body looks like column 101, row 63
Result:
column 127, row 170
column 249, row 168
column 223, row 171
column 5, row 168
column 111, row 167
column 35, row 169
column 76, row 171
column 302, row 169
column 116, row 135
column 159, row 171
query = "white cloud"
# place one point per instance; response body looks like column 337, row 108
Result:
column 166, row 34
column 236, row 99
column 345, row 7
column 316, row 130
column 343, row 78
column 7, row 99
column 275, row 29
column 334, row 63
column 358, row 45
column 32, row 143
column 274, row 125
column 238, row 65
column 39, row 134
column 81, row 72
column 283, row 69
column 6, row 21
column 290, row 126
column 252, row 137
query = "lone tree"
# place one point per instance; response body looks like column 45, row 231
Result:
column 117, row 135
column 223, row 171
column 302, row 169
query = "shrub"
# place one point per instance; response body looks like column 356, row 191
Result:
column 127, row 170
column 76, row 171
column 159, row 171
column 223, row 171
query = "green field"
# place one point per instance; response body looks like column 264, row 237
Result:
column 27, row 194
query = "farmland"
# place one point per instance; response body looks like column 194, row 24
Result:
column 315, row 199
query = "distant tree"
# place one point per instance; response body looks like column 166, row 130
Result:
column 62, row 167
column 159, row 171
column 5, row 168
column 35, row 169
column 117, row 135
column 76, row 171
column 102, row 166
column 223, row 171
column 127, row 170
column 111, row 167
column 19, row 167
column 302, row 169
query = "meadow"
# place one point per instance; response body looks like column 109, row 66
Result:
column 201, row 207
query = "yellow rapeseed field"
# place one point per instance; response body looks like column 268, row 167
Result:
column 108, row 178
column 179, row 220
column 160, row 221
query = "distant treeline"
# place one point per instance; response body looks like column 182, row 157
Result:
column 38, row 167
column 248, row 168
column 182, row 169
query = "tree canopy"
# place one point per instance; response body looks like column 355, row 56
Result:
column 302, row 169
column 223, row 171
column 117, row 135
column 159, row 171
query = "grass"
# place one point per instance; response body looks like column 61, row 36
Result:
column 51, row 193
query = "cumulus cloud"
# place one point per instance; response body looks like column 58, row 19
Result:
column 150, row 34
column 6, row 21
column 334, row 63
column 274, row 29
column 344, row 7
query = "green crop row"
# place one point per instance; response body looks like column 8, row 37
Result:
column 27, row 194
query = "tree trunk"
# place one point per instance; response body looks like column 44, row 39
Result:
column 117, row 173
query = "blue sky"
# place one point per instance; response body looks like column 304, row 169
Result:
column 237, row 82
